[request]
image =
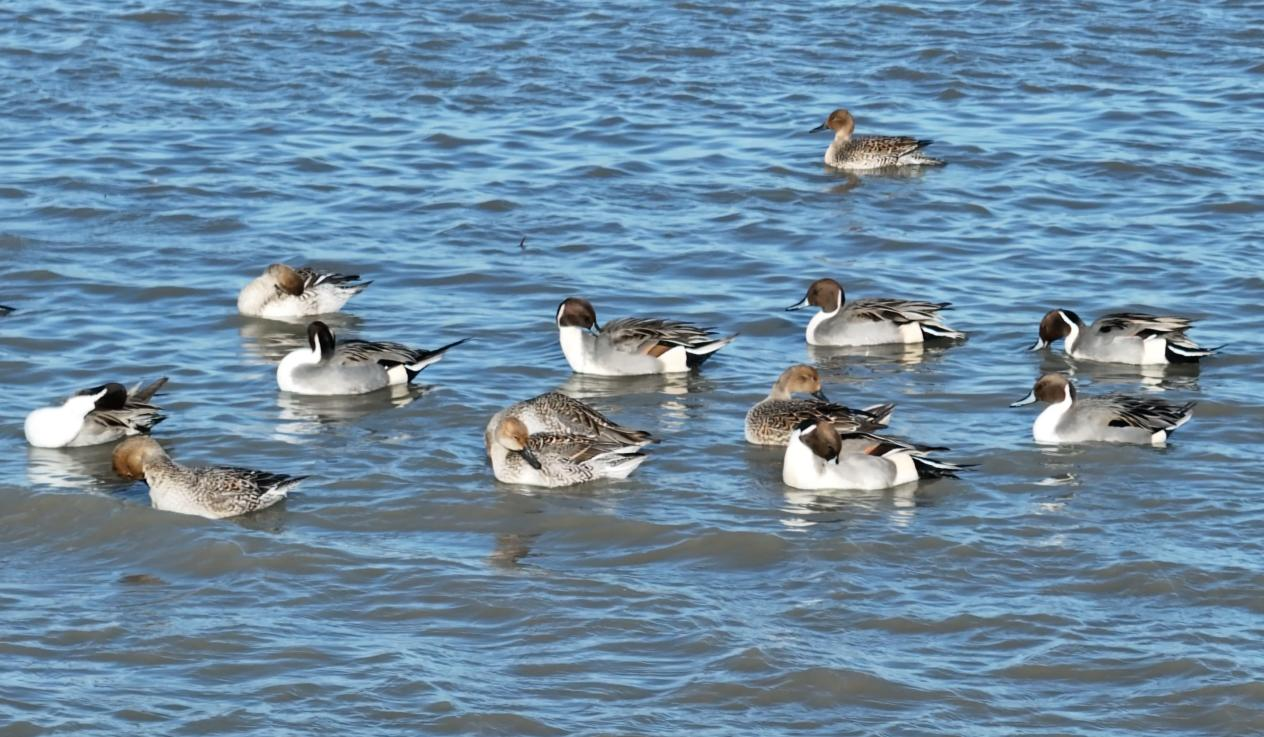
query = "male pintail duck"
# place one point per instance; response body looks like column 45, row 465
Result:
column 1112, row 418
column 352, row 366
column 872, row 320
column 94, row 416
column 214, row 492
column 772, row 419
column 552, row 460
column 285, row 292
column 870, row 152
column 6, row 310
column 557, row 414
column 1122, row 337
column 817, row 457
column 631, row 346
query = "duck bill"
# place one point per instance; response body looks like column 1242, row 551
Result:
column 1040, row 343
column 798, row 305
column 818, row 128
column 1029, row 399
column 820, row 394
column 530, row 458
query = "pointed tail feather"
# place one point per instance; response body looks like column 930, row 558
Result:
column 430, row 357
column 696, row 355
column 1189, row 353
column 880, row 414
column 144, row 395
column 932, row 330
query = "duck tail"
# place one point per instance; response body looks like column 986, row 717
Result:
column 880, row 414
column 696, row 355
column 934, row 330
column 426, row 358
column 146, row 394
column 1188, row 352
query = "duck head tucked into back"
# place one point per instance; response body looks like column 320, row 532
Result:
column 798, row 378
column 512, row 435
column 131, row 455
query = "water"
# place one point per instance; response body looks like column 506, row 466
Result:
column 155, row 157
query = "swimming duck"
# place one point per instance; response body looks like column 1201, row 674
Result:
column 557, row 414
column 774, row 417
column 818, row 457
column 352, row 366
column 870, row 152
column 285, row 292
column 1112, row 418
column 214, row 492
column 872, row 320
column 1122, row 337
column 631, row 346
column 101, row 414
column 556, row 459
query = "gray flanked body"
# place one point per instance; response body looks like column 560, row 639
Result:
column 1123, row 337
column 872, row 320
column 817, row 457
column 351, row 367
column 1112, row 418
column 631, row 346
column 871, row 152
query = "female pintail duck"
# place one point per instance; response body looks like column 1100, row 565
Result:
column 214, row 492
column 631, row 346
column 352, row 366
column 817, row 457
column 548, row 459
column 284, row 292
column 1112, row 418
column 872, row 320
column 870, row 152
column 557, row 414
column 94, row 416
column 1122, row 337
column 774, row 417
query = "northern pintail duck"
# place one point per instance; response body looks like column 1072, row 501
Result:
column 1112, row 418
column 557, row 414
column 215, row 492
column 818, row 457
column 6, row 310
column 631, row 346
column 774, row 417
column 552, row 460
column 94, row 416
column 352, row 366
column 870, row 152
column 285, row 292
column 1122, row 337
column 872, row 320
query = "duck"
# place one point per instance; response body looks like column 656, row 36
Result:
column 1112, row 418
column 819, row 457
column 5, row 311
column 631, row 346
column 870, row 152
column 774, row 417
column 557, row 459
column 352, row 366
column 284, row 292
column 95, row 416
column 559, row 414
column 214, row 492
column 872, row 320
column 1133, row 338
